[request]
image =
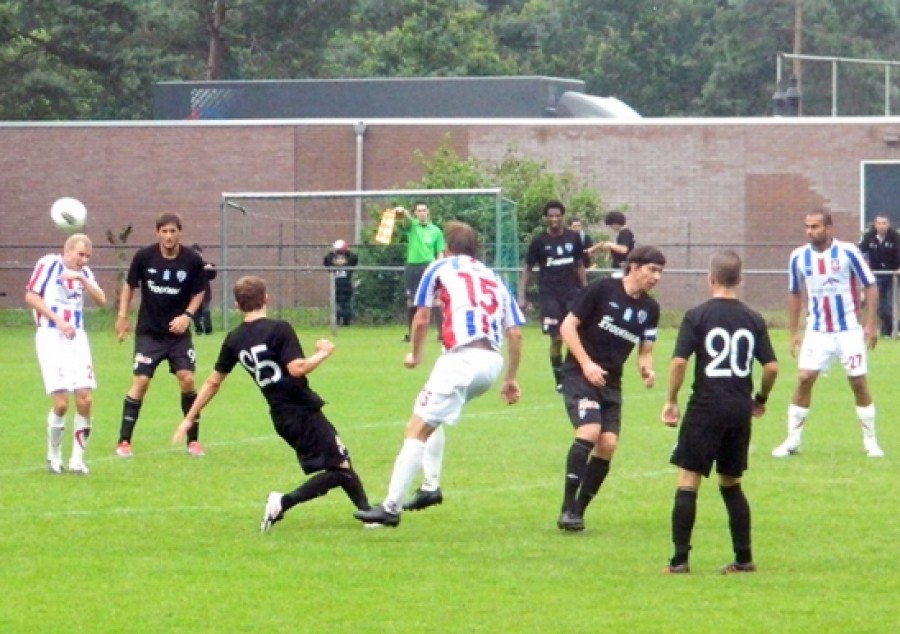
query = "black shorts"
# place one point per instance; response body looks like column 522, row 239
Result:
column 708, row 436
column 553, row 311
column 151, row 350
column 588, row 404
column 412, row 275
column 313, row 438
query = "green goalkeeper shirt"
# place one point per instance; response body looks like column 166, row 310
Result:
column 424, row 243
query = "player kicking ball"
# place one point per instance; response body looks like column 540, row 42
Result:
column 270, row 352
column 479, row 310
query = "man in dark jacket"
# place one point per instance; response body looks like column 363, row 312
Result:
column 881, row 246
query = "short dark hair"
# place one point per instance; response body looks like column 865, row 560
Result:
column 614, row 218
column 250, row 293
column 646, row 255
column 555, row 204
column 168, row 218
column 460, row 238
column 826, row 216
column 725, row 268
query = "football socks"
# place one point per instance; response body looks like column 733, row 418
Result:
column 131, row 409
column 576, row 462
column 738, row 521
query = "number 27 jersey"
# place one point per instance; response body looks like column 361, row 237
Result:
column 476, row 303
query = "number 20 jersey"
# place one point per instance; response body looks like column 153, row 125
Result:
column 476, row 302
column 726, row 336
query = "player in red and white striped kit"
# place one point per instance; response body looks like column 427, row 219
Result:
column 56, row 293
column 478, row 313
column 830, row 272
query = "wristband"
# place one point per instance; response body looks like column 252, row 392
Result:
column 760, row 399
column 189, row 314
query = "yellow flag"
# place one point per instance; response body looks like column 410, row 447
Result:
column 386, row 227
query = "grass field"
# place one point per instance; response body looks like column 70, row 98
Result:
column 166, row 543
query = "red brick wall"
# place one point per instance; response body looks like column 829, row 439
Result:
column 689, row 185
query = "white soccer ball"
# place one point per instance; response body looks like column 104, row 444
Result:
column 69, row 214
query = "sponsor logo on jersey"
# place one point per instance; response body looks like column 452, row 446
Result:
column 560, row 261
column 607, row 324
column 159, row 289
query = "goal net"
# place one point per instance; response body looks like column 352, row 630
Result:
column 284, row 237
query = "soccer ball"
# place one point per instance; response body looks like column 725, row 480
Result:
column 69, row 214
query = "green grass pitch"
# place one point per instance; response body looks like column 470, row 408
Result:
column 166, row 543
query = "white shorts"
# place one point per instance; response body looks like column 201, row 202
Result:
column 819, row 349
column 66, row 364
column 457, row 377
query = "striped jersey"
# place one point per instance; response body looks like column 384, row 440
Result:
column 832, row 278
column 63, row 297
column 476, row 302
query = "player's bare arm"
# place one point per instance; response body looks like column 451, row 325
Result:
column 182, row 322
column 795, row 302
column 569, row 333
column 670, row 412
column 204, row 396
column 870, row 325
column 420, row 323
column 93, row 289
column 35, row 301
column 302, row 367
column 509, row 390
column 123, row 326
column 645, row 364
column 767, row 382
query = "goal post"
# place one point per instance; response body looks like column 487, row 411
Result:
column 284, row 237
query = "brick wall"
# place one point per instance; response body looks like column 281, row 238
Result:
column 689, row 185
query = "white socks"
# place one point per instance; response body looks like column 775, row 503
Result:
column 55, row 427
column 80, row 439
column 795, row 419
column 867, row 420
column 433, row 460
column 406, row 466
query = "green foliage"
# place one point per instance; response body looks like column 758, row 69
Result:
column 98, row 59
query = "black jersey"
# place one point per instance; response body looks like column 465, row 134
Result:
column 167, row 286
column 726, row 336
column 612, row 324
column 557, row 258
column 265, row 347
column 624, row 238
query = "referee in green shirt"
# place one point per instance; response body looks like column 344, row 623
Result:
column 424, row 245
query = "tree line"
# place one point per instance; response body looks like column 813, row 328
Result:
column 98, row 59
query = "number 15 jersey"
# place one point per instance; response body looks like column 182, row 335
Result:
column 477, row 304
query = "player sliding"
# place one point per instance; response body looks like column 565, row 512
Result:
column 270, row 352
column 477, row 310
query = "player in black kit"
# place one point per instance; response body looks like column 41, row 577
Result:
column 724, row 336
column 607, row 321
column 270, row 352
column 558, row 255
column 171, row 280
